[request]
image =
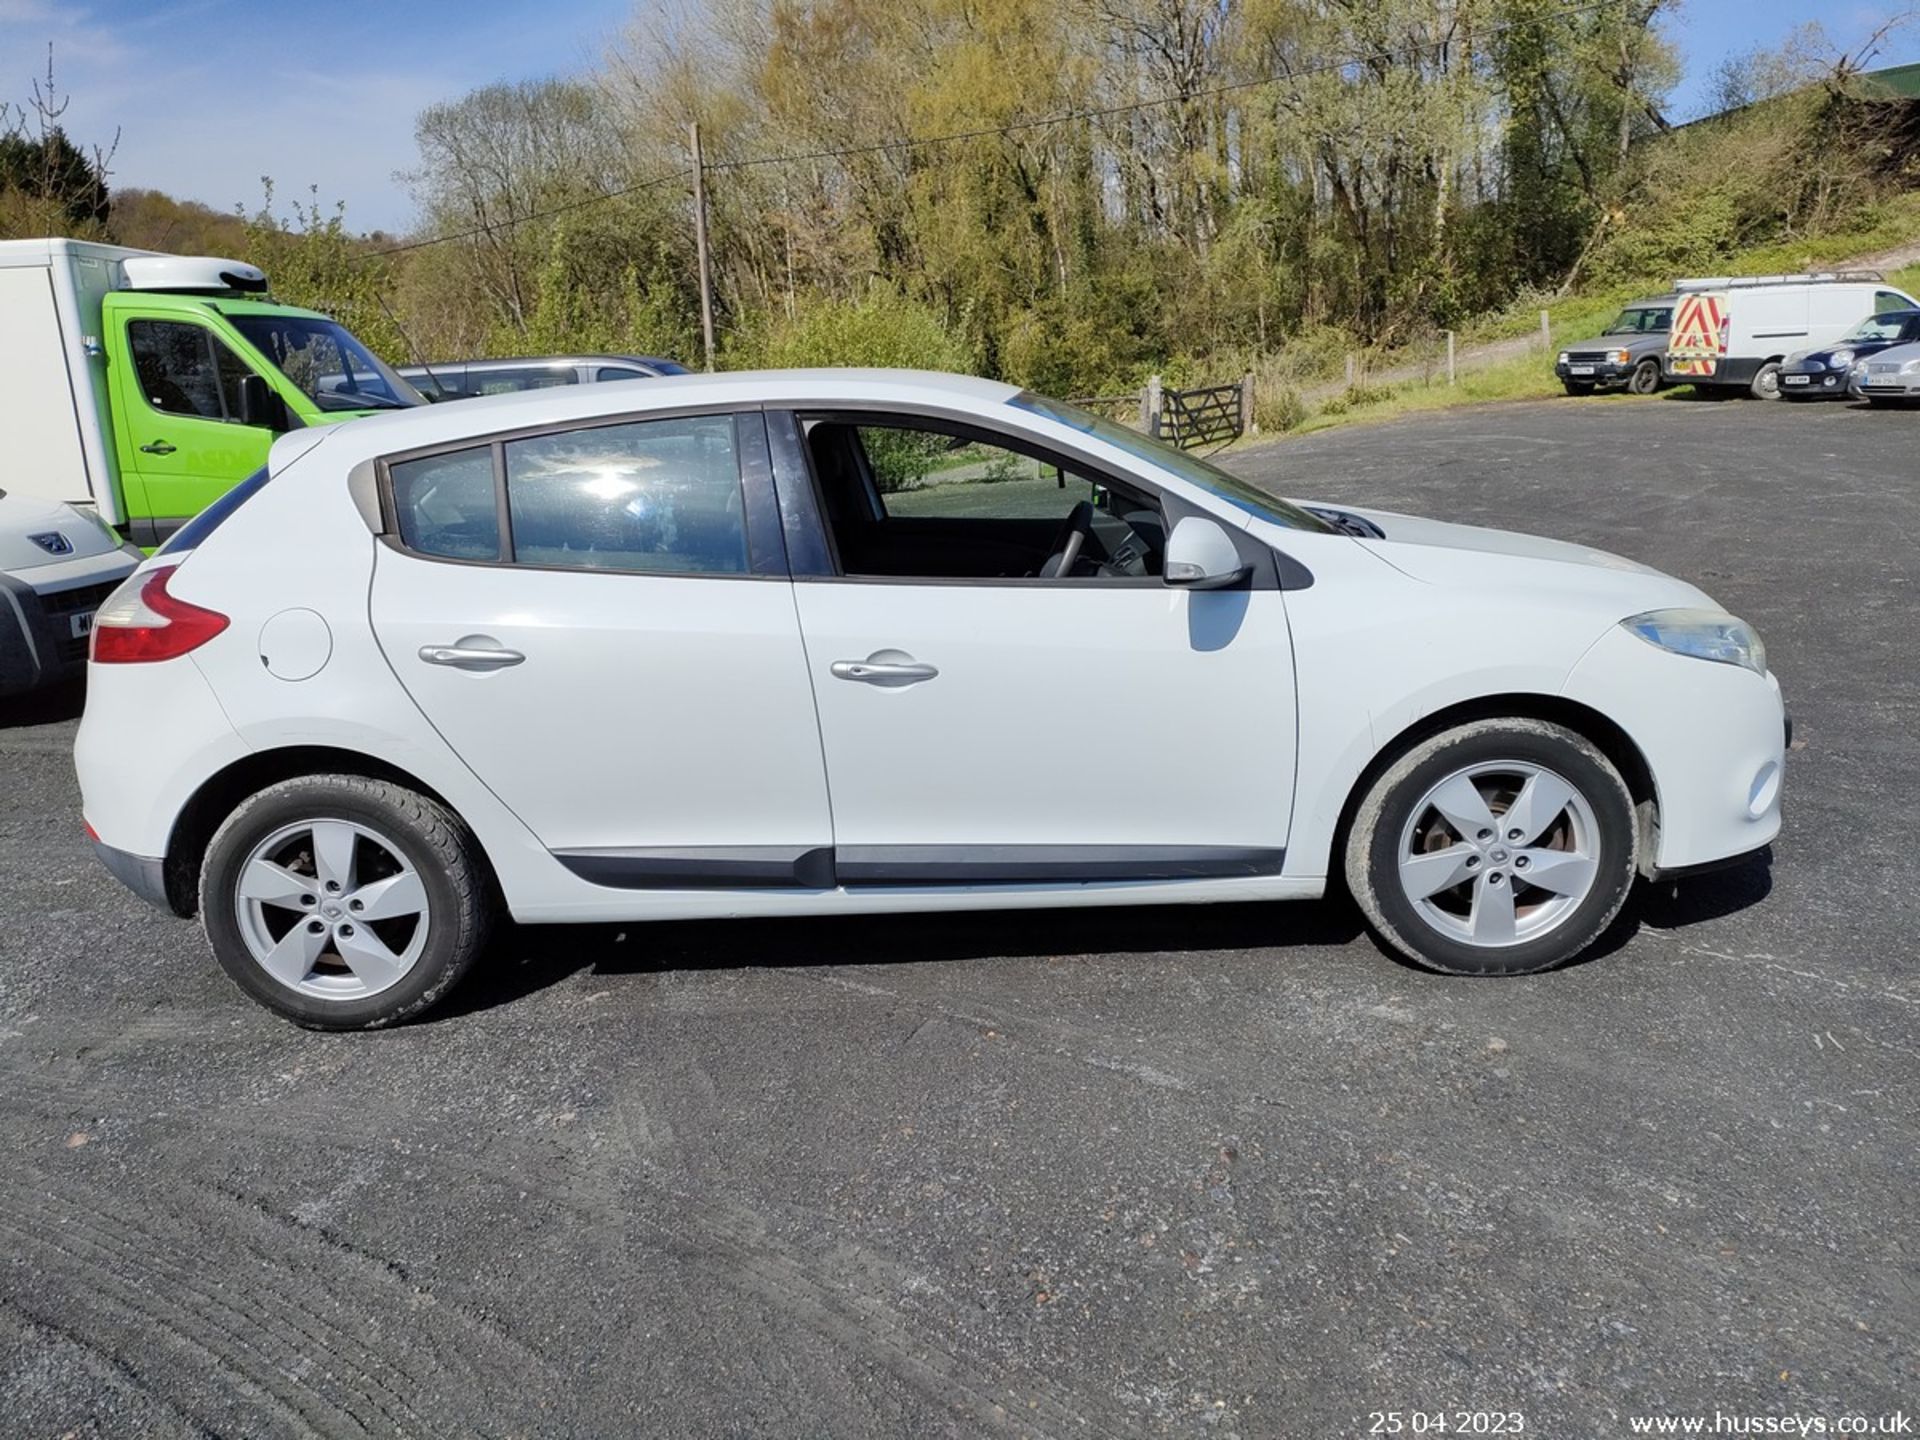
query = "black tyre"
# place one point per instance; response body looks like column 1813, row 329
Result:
column 344, row 903
column 1645, row 379
column 1577, row 388
column 1502, row 847
column 1766, row 382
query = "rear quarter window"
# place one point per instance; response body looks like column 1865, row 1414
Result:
column 445, row 505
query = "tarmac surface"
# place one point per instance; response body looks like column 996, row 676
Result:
column 1213, row 1171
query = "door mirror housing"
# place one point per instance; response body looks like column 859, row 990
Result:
column 260, row 405
column 1200, row 555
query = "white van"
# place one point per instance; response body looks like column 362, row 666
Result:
column 1733, row 333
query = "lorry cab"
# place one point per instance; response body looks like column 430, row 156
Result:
column 148, row 385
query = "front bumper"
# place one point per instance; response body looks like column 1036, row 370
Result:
column 1714, row 738
column 1810, row 384
column 1888, row 387
column 1599, row 373
column 46, row 617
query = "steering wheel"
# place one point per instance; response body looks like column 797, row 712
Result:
column 1068, row 543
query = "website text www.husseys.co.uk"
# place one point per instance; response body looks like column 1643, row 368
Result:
column 1722, row 1422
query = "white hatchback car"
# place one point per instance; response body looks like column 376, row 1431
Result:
column 827, row 642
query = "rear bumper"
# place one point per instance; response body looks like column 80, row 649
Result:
column 144, row 875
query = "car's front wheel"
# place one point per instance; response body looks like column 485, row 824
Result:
column 1501, row 847
column 344, row 903
column 1646, row 378
column 1577, row 387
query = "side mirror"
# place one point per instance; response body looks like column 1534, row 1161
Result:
column 1200, row 555
column 259, row 405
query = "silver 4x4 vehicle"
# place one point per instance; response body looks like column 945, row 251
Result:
column 1629, row 353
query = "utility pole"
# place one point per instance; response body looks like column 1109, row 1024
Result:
column 700, row 243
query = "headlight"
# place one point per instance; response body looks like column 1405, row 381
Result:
column 1620, row 357
column 1563, row 357
column 1703, row 634
column 1859, row 369
column 1841, row 359
column 1912, row 367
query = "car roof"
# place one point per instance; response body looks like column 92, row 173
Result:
column 498, row 362
column 425, row 426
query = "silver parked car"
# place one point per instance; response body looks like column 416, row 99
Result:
column 1890, row 378
column 464, row 379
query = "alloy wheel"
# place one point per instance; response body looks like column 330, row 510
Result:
column 1499, row 853
column 332, row 909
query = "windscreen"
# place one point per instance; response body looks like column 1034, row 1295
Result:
column 333, row 369
column 1642, row 320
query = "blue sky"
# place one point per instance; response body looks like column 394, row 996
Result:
column 213, row 94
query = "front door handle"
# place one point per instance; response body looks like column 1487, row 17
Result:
column 884, row 667
column 158, row 447
column 469, row 656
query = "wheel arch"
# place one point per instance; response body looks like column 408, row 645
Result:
column 221, row 792
column 1583, row 720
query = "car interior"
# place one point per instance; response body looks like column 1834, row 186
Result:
column 929, row 501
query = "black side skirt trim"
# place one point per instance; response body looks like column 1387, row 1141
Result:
column 822, row 868
column 727, row 867
column 1042, row 864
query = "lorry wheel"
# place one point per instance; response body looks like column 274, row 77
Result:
column 1646, row 378
column 344, row 903
column 1766, row 383
column 1577, row 389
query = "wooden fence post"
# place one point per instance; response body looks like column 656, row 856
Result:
column 1150, row 406
column 1449, row 357
column 1546, row 331
column 1353, row 368
column 1247, row 426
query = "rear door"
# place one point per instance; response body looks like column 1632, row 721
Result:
column 180, row 446
column 1698, row 340
column 599, row 622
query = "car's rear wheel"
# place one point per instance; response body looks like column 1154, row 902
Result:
column 1501, row 847
column 1766, row 381
column 1645, row 378
column 344, row 903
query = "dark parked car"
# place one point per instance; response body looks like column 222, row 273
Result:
column 1823, row 374
column 1628, row 354
column 464, row 379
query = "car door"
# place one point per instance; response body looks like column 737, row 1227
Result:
column 996, row 728
column 179, row 439
column 599, row 622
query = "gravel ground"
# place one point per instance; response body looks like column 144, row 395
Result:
column 1207, row 1172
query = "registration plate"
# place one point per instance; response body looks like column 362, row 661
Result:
column 81, row 624
column 1795, row 379
column 1579, row 369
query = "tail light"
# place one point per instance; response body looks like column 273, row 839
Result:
column 141, row 622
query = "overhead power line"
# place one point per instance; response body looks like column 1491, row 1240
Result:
column 954, row 137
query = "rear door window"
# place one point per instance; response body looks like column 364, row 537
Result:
column 504, row 382
column 659, row 496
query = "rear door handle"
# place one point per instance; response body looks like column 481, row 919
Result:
column 158, row 447
column 471, row 657
column 881, row 668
